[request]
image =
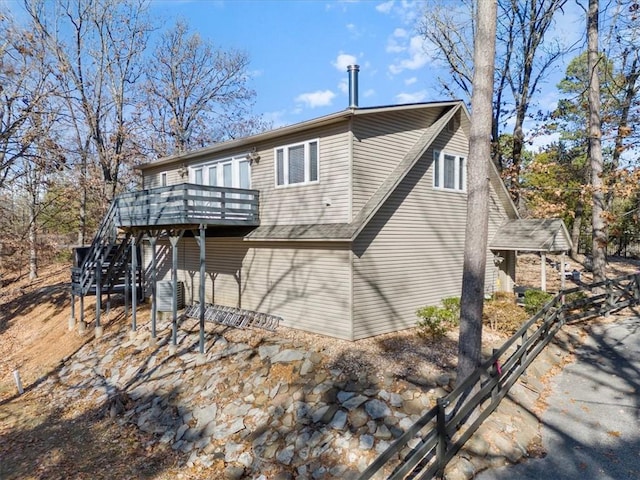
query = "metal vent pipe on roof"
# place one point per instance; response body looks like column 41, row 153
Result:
column 353, row 85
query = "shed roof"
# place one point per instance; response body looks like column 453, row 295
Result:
column 533, row 235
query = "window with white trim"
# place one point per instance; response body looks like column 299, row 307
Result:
column 232, row 172
column 297, row 164
column 449, row 171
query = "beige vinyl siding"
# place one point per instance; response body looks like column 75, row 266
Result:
column 307, row 284
column 411, row 253
column 326, row 201
column 152, row 176
column 379, row 143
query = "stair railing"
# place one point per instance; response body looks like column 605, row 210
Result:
column 99, row 249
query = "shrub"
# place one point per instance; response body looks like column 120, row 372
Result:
column 534, row 300
column 436, row 321
column 432, row 322
column 452, row 304
column 576, row 297
column 503, row 315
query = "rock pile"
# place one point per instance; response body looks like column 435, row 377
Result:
column 267, row 409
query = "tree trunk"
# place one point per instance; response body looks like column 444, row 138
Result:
column 33, row 252
column 599, row 247
column 575, row 229
column 475, row 248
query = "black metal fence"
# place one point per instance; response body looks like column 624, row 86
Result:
column 445, row 428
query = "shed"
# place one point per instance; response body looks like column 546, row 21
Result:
column 542, row 235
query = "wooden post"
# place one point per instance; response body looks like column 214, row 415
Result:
column 98, row 329
column 127, row 289
column 154, row 283
column 72, row 318
column 543, row 271
column 441, row 446
column 562, row 271
column 81, row 325
column 203, row 279
column 134, row 284
column 174, row 287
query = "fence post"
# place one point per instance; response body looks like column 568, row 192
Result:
column 441, row 446
column 609, row 290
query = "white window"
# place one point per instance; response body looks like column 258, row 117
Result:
column 232, row 172
column 297, row 163
column 163, row 179
column 449, row 171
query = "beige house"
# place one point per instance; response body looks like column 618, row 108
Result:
column 361, row 219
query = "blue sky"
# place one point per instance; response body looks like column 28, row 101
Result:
column 299, row 50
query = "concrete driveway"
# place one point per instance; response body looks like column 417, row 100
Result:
column 591, row 429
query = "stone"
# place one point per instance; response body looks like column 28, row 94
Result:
column 233, row 472
column 358, row 418
column 285, row 456
column 232, row 452
column 366, row 442
column 245, row 459
column 377, row 409
column 460, row 469
column 339, row 420
column 268, row 351
column 383, row 432
column 355, row 402
column 306, row 367
column 205, row 415
column 287, row 356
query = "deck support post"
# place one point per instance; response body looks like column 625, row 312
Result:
column 127, row 289
column 72, row 317
column 98, row 328
column 154, row 283
column 203, row 278
column 543, row 271
column 174, row 239
column 134, row 284
column 82, row 325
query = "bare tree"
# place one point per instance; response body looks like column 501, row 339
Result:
column 599, row 245
column 195, row 94
column 98, row 45
column 475, row 249
column 25, row 83
column 44, row 158
column 524, row 58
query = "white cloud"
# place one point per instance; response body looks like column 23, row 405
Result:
column 369, row 93
column 276, row 118
column 385, row 7
column 343, row 60
column 410, row 81
column 417, row 58
column 319, row 98
column 400, row 33
column 396, row 42
column 343, row 86
column 412, row 97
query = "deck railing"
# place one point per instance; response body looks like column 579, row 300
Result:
column 440, row 433
column 188, row 204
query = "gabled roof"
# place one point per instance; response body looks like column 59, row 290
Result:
column 351, row 230
column 532, row 235
column 251, row 140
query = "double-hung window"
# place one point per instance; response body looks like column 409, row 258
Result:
column 449, row 171
column 297, row 164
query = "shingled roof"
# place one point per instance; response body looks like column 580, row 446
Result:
column 532, row 235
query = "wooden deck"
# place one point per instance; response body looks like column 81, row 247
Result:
column 187, row 204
